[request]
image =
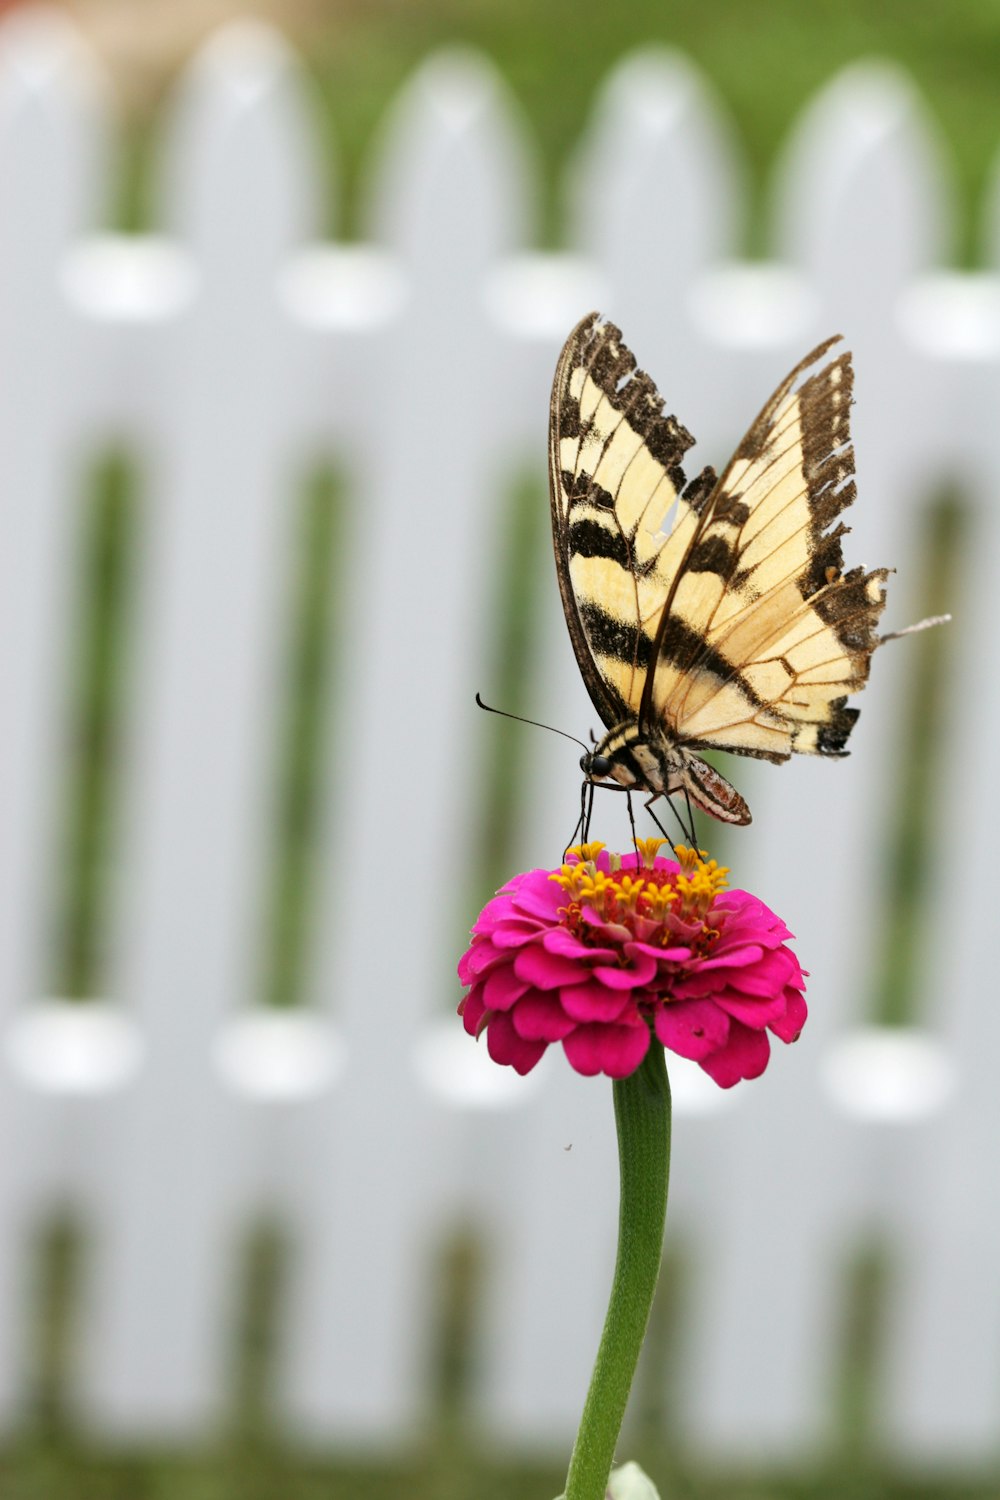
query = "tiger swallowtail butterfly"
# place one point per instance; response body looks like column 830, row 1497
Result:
column 711, row 613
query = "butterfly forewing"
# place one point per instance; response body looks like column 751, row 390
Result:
column 622, row 512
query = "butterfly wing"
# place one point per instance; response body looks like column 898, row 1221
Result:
column 623, row 513
column 763, row 635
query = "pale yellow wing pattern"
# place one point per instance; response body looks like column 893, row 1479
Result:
column 622, row 512
column 763, row 635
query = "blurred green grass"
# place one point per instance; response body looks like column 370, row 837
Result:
column 765, row 62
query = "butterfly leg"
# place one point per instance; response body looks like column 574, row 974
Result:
column 580, row 825
column 687, row 829
column 588, row 799
column 693, row 831
column 631, row 819
column 649, row 808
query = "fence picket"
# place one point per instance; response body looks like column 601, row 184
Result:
column 207, row 673
column 943, row 1355
column 50, row 171
column 423, row 531
column 655, row 144
column 656, row 202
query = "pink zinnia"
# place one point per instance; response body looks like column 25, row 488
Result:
column 607, row 951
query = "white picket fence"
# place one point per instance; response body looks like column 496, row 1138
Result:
column 229, row 352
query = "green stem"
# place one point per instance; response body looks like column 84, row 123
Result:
column 642, row 1115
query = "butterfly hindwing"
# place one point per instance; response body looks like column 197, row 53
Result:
column 765, row 635
column 622, row 510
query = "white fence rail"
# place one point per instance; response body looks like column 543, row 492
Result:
column 228, row 352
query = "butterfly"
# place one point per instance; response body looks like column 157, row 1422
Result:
column 711, row 613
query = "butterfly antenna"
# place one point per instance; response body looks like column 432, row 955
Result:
column 631, row 820
column 578, row 826
column 537, row 724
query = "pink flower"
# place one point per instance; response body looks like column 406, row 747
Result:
column 608, row 951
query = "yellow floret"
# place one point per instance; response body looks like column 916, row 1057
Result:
column 571, row 878
column 648, row 850
column 659, row 898
column 586, row 853
column 630, row 890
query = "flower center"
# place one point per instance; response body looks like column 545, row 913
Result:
column 652, row 903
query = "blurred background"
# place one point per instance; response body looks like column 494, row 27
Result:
column 281, row 291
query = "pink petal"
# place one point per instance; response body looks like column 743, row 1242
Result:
column 541, row 899
column 499, row 912
column 546, row 971
column 559, row 940
column 732, row 937
column 735, row 958
column 695, row 983
column 591, row 1001
column 677, row 922
column 476, row 960
column 750, row 920
column 505, row 1046
column 750, row 1011
column 770, row 975
column 793, row 1020
column 493, row 913
column 639, row 971
column 692, row 1028
column 662, row 955
column 515, row 934
column 611, row 932
column 744, row 907
column 614, row 1050
column 472, row 1009
column 502, row 987
column 539, row 1017
column 744, row 1056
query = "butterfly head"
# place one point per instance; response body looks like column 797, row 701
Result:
column 624, row 756
column 595, row 767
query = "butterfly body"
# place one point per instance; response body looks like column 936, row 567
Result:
column 714, row 614
column 654, row 761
